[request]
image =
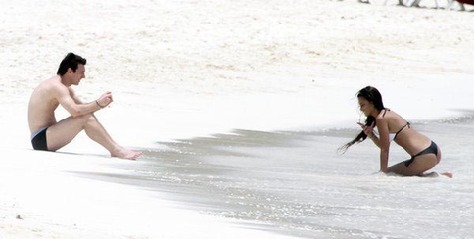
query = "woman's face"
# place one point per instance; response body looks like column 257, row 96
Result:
column 365, row 106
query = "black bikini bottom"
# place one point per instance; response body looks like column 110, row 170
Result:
column 432, row 149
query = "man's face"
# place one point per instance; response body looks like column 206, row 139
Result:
column 78, row 75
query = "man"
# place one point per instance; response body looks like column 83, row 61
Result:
column 50, row 135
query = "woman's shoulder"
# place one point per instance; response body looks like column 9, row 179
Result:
column 388, row 115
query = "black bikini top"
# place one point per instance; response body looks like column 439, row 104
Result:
column 401, row 129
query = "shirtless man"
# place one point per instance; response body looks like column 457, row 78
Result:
column 49, row 134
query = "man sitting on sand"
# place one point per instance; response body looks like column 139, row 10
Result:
column 51, row 135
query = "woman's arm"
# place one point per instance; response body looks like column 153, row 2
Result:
column 369, row 131
column 383, row 142
column 374, row 138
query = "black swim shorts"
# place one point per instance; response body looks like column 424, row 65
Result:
column 39, row 140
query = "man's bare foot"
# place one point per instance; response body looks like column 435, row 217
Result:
column 126, row 154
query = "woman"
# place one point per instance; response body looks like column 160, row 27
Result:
column 425, row 154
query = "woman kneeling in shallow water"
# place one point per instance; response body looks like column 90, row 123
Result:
column 425, row 154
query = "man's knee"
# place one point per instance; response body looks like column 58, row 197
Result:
column 85, row 117
column 90, row 118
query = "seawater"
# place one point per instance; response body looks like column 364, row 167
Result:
column 296, row 183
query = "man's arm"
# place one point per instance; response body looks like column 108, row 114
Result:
column 104, row 100
column 74, row 96
column 72, row 104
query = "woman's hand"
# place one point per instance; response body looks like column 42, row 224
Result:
column 368, row 129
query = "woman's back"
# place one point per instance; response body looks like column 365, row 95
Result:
column 403, row 133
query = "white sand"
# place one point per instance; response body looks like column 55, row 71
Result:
column 180, row 69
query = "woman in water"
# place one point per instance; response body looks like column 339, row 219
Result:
column 425, row 154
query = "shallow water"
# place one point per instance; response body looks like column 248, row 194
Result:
column 297, row 184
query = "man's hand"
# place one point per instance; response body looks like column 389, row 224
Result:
column 105, row 99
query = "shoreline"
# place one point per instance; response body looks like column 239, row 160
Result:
column 23, row 218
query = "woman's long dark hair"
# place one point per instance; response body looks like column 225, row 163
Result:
column 371, row 94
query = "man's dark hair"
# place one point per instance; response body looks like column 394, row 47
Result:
column 70, row 61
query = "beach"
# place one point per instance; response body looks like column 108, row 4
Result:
column 239, row 108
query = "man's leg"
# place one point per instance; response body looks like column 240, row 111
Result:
column 63, row 132
column 97, row 132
